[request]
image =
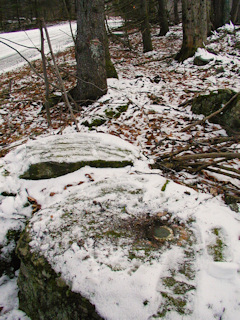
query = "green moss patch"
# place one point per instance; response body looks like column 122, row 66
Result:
column 97, row 122
column 217, row 248
column 51, row 169
column 116, row 112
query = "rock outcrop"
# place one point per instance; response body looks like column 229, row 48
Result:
column 229, row 119
column 43, row 294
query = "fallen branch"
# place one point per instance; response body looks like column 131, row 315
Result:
column 195, row 143
column 153, row 60
column 212, row 155
column 227, row 168
column 234, row 176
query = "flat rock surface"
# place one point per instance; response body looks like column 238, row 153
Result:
column 71, row 148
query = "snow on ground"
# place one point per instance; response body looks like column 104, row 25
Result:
column 122, row 287
column 152, row 86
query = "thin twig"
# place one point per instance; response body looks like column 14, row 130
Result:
column 153, row 60
column 20, row 45
column 45, row 75
column 29, row 63
column 223, row 173
column 60, row 78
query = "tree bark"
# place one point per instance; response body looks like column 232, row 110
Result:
column 195, row 27
column 90, row 51
column 220, row 13
column 145, row 26
column 176, row 15
column 163, row 18
column 235, row 11
column 110, row 69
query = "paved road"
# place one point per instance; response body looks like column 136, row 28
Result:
column 9, row 59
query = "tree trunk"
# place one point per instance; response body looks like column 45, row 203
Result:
column 110, row 69
column 18, row 14
column 145, row 26
column 1, row 15
column 226, row 11
column 90, row 51
column 195, row 27
column 235, row 11
column 220, row 13
column 176, row 15
column 209, row 22
column 163, row 18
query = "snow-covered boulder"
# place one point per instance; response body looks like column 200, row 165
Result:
column 117, row 243
column 55, row 156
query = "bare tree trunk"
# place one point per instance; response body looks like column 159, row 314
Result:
column 226, row 11
column 110, row 69
column 195, row 27
column 163, row 18
column 1, row 14
column 145, row 26
column 220, row 13
column 235, row 10
column 209, row 22
column 18, row 14
column 68, row 13
column 90, row 51
column 176, row 15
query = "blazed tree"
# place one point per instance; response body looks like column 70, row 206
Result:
column 90, row 51
column 195, row 27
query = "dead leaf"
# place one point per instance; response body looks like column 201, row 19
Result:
column 89, row 177
column 31, row 199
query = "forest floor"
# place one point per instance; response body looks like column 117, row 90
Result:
column 153, row 86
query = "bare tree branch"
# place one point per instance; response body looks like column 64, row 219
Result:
column 45, row 75
column 29, row 63
column 59, row 77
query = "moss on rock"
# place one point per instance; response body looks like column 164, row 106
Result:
column 51, row 169
column 43, row 294
column 229, row 119
column 9, row 261
column 217, row 248
column 97, row 122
